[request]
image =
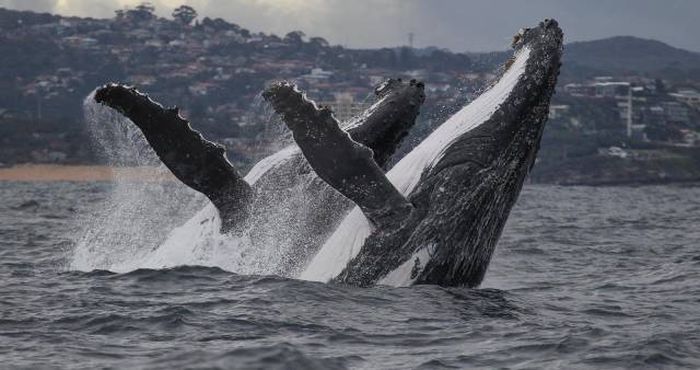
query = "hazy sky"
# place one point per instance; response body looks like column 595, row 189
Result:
column 474, row 25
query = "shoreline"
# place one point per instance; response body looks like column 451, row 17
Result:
column 103, row 173
column 82, row 173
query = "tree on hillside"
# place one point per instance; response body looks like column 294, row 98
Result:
column 184, row 14
column 145, row 7
column 319, row 41
column 142, row 12
column 218, row 24
column 295, row 38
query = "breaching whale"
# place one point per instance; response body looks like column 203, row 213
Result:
column 282, row 185
column 434, row 218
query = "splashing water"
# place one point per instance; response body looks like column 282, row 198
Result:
column 138, row 214
column 274, row 136
column 149, row 224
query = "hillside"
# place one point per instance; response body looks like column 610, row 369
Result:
column 618, row 56
column 214, row 71
column 627, row 55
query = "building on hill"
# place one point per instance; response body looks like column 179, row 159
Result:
column 558, row 110
column 612, row 89
column 579, row 90
column 345, row 106
column 676, row 112
column 688, row 96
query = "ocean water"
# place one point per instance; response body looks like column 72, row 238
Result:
column 583, row 278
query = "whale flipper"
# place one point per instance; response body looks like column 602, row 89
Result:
column 201, row 164
column 197, row 162
column 340, row 161
column 383, row 126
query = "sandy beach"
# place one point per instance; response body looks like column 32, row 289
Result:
column 48, row 173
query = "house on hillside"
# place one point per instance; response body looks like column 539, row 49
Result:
column 687, row 96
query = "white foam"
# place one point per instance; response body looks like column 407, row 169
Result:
column 199, row 241
column 347, row 240
column 135, row 215
column 137, row 226
column 190, row 244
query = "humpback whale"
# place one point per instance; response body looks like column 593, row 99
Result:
column 271, row 190
column 434, row 218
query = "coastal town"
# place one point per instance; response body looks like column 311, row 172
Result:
column 214, row 70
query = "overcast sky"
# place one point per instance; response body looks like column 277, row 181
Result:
column 472, row 25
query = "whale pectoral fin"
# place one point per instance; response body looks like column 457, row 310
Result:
column 383, row 125
column 197, row 162
column 343, row 163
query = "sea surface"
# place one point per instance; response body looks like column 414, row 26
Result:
column 583, row 278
